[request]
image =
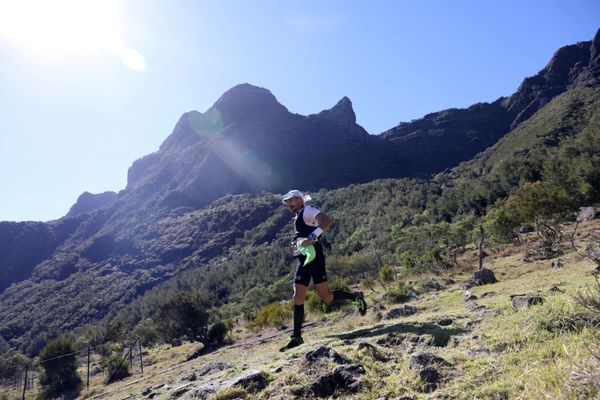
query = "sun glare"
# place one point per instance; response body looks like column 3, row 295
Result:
column 67, row 27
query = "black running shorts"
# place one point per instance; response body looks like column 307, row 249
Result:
column 315, row 269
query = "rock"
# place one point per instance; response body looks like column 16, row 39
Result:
column 421, row 360
column 449, row 281
column 480, row 351
column 429, row 387
column 391, row 340
column 431, row 284
column 588, row 213
column 470, row 297
column 178, row 391
column 323, row 386
column 557, row 263
column 430, row 375
column 555, row 288
column 191, row 377
column 524, row 302
column 488, row 295
column 445, row 321
column 526, row 229
column 326, row 352
column 252, row 381
column 475, row 307
column 403, row 311
column 211, row 367
column 484, row 277
column 373, row 351
column 147, row 391
column 342, row 378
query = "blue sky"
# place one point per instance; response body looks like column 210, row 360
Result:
column 85, row 93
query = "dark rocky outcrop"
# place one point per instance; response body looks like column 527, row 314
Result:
column 343, row 378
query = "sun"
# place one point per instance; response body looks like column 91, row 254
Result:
column 67, row 27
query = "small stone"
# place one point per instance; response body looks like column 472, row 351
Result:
column 526, row 229
column 430, row 375
column 474, row 307
column 325, row 352
column 471, row 297
column 524, row 302
column 401, row 312
column 445, row 321
column 555, row 288
column 430, row 387
column 421, row 360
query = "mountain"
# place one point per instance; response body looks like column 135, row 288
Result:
column 201, row 202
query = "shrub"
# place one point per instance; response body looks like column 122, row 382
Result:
column 217, row 333
column 59, row 363
column 386, row 273
column 116, row 368
column 398, row 294
column 273, row 314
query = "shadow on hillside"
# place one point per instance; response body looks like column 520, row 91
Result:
column 441, row 335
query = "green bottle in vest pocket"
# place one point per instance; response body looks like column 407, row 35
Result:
column 308, row 251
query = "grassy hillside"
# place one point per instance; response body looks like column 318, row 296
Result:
column 493, row 351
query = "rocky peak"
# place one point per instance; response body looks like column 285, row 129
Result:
column 342, row 113
column 246, row 102
column 87, row 202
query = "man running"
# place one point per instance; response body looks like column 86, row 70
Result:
column 309, row 225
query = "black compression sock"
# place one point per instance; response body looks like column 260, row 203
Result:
column 341, row 295
column 298, row 319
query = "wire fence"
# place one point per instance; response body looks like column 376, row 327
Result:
column 25, row 383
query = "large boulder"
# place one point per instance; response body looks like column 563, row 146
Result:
column 484, row 276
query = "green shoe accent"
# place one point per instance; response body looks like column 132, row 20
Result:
column 360, row 303
column 294, row 342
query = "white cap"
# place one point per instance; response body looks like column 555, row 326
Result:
column 296, row 193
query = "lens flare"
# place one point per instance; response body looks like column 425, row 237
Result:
column 66, row 28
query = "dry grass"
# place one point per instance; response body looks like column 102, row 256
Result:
column 551, row 351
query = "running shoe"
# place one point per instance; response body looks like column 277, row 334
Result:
column 360, row 303
column 294, row 342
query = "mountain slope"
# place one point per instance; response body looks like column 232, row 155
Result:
column 173, row 216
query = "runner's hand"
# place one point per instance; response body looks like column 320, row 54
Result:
column 307, row 242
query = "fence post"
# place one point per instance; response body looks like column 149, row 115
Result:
column 88, row 368
column 25, row 380
column 141, row 360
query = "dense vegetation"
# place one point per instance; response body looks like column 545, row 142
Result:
column 537, row 174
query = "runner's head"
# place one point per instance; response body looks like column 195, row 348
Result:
column 295, row 199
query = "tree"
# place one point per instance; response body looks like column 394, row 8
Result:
column 59, row 363
column 184, row 314
column 547, row 205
